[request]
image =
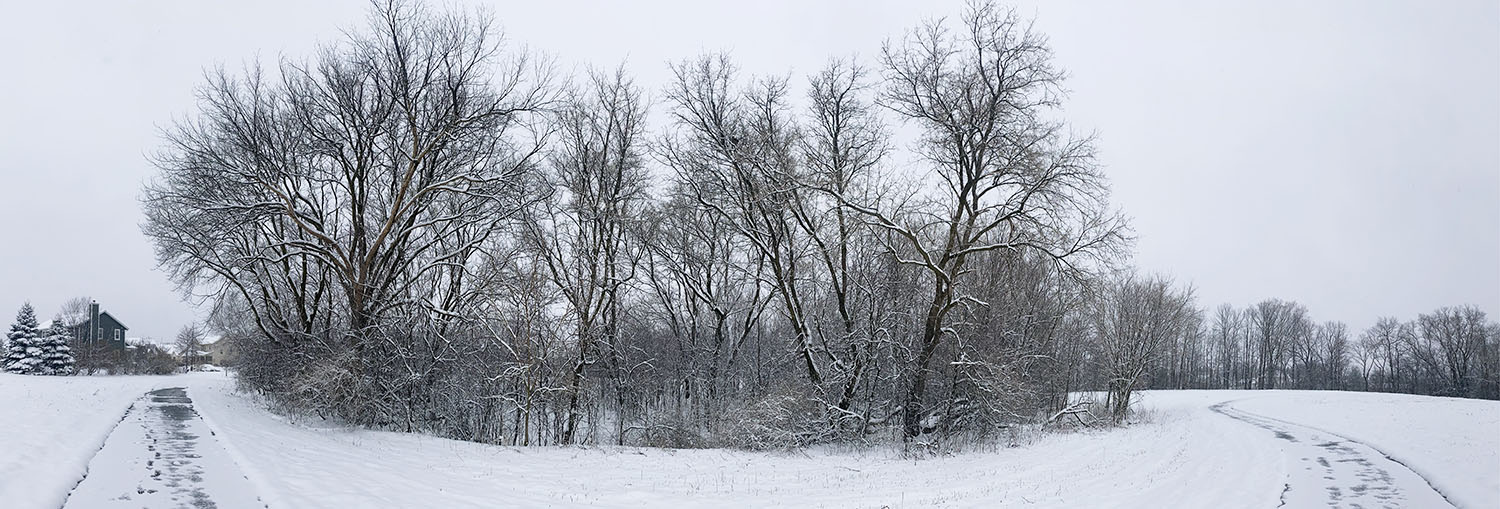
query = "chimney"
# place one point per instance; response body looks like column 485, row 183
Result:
column 93, row 320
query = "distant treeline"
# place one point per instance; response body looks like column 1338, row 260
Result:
column 1275, row 344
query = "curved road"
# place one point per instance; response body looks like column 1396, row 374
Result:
column 1328, row 470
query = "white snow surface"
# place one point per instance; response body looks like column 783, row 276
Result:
column 1454, row 443
column 1186, row 454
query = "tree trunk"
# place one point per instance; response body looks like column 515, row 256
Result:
column 911, row 418
column 575, row 387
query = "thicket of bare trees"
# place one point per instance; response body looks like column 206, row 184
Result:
column 424, row 229
column 1138, row 322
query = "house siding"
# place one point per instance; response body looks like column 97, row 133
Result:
column 110, row 331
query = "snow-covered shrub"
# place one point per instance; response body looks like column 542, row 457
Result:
column 779, row 419
column 326, row 387
column 671, row 435
column 147, row 359
column 1084, row 413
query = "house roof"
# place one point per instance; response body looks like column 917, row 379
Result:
column 111, row 317
column 117, row 320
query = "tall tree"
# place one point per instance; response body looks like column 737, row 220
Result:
column 841, row 146
column 706, row 288
column 1276, row 326
column 1385, row 335
column 1227, row 330
column 1333, row 338
column 1010, row 176
column 330, row 200
column 599, row 179
column 735, row 151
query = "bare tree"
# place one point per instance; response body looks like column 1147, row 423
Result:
column 1276, row 325
column 1227, row 331
column 599, row 182
column 1488, row 385
column 705, row 287
column 1386, row 334
column 1333, row 338
column 1009, row 176
column 736, row 152
column 74, row 311
column 91, row 356
column 327, row 200
column 1367, row 358
column 189, row 345
column 841, row 146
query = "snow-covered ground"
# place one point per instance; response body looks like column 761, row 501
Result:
column 51, row 426
column 1453, row 443
column 1200, row 449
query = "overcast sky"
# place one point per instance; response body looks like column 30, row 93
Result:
column 1345, row 155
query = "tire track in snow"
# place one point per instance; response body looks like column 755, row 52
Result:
column 1328, row 470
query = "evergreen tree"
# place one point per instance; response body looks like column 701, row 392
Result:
column 24, row 354
column 57, row 356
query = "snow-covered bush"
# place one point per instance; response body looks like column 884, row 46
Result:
column 670, row 435
column 779, row 419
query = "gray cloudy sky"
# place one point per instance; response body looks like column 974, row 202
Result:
column 1344, row 154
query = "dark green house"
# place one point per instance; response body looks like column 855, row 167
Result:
column 100, row 327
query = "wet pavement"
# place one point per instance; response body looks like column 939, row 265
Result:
column 1328, row 470
column 162, row 455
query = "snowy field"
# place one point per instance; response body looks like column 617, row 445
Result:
column 1200, row 449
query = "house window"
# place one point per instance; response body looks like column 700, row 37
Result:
column 117, row 334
